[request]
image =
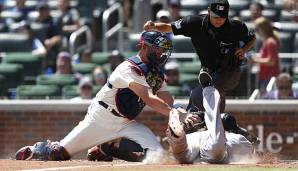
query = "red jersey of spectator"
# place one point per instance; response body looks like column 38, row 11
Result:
column 269, row 49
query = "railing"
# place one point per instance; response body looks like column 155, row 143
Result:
column 106, row 34
column 73, row 47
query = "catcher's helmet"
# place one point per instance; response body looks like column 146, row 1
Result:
column 158, row 42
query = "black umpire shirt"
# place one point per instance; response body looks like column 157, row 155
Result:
column 214, row 46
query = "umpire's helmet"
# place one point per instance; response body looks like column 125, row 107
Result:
column 158, row 42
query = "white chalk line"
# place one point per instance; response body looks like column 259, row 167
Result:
column 85, row 166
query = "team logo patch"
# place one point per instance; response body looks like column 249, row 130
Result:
column 178, row 24
column 220, row 7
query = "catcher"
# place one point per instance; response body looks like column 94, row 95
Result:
column 133, row 84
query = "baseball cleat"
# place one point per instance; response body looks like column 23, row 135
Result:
column 205, row 79
column 176, row 127
column 24, row 153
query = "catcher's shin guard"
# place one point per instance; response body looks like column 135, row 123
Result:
column 123, row 148
column 97, row 153
column 178, row 146
column 48, row 150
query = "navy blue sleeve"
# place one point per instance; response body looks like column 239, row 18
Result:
column 244, row 34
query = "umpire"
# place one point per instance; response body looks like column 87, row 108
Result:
column 219, row 42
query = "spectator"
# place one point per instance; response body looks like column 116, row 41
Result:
column 163, row 16
column 69, row 21
column 53, row 37
column 284, row 88
column 255, row 9
column 173, row 77
column 100, row 76
column 175, row 8
column 85, row 89
column 21, row 8
column 115, row 58
column 84, row 56
column 268, row 58
column 37, row 48
column 292, row 6
column 64, row 63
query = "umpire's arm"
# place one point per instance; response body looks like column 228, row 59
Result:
column 158, row 104
column 161, row 27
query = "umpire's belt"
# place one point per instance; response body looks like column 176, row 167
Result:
column 109, row 108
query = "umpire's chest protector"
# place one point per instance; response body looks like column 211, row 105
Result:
column 128, row 103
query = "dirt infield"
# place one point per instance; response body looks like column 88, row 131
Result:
column 76, row 165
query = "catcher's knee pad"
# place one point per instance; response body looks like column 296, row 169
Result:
column 49, row 151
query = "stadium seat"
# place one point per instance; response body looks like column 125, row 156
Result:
column 175, row 91
column 268, row 13
column 56, row 79
column 190, row 67
column 296, row 43
column 2, row 85
column 71, row 91
column 100, row 58
column 84, row 68
column 190, row 79
column 295, row 86
column 38, row 92
column 182, row 44
column 239, row 5
column 194, row 5
column 12, row 42
column 32, row 64
column 286, row 42
column 13, row 16
column 286, row 16
column 289, row 27
column 14, row 74
column 133, row 41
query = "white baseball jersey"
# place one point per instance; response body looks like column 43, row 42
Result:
column 215, row 145
column 100, row 125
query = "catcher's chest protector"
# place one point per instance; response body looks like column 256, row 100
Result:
column 128, row 103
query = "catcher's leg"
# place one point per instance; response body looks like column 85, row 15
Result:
column 123, row 148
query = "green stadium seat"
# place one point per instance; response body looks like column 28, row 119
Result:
column 2, row 85
column 296, row 43
column 295, row 86
column 175, row 91
column 14, row 74
column 13, row 42
column 32, row 64
column 71, row 91
column 38, row 92
column 11, row 15
column 268, row 13
column 194, row 5
column 238, row 6
column 56, row 79
column 100, row 58
column 182, row 44
column 190, row 67
column 190, row 79
column 295, row 78
column 84, row 68
column 286, row 42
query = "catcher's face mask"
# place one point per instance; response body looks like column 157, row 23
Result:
column 159, row 47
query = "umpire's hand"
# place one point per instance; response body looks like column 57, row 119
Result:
column 240, row 53
column 149, row 25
